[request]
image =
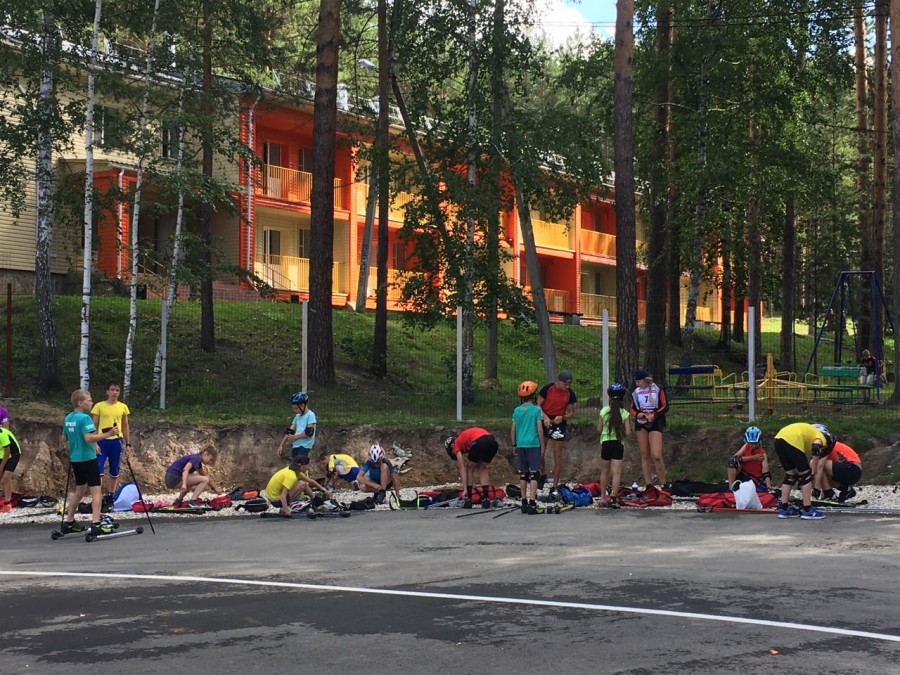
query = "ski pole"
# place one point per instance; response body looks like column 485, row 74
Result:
column 62, row 521
column 140, row 495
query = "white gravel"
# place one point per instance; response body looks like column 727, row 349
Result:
column 878, row 496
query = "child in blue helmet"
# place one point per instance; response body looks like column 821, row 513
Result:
column 614, row 426
column 302, row 431
column 750, row 463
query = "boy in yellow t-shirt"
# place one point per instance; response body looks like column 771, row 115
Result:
column 285, row 485
column 106, row 415
column 340, row 466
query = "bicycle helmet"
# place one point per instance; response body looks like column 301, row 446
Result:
column 822, row 429
column 527, row 388
column 376, row 454
column 752, row 435
column 616, row 391
column 448, row 445
column 300, row 398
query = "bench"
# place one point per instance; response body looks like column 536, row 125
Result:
column 837, row 382
column 702, row 381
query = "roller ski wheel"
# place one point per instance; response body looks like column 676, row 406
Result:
column 345, row 514
column 311, row 514
column 56, row 535
column 91, row 537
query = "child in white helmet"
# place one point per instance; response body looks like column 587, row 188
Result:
column 377, row 473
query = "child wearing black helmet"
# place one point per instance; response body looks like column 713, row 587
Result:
column 750, row 463
column 302, row 431
column 614, row 426
column 527, row 437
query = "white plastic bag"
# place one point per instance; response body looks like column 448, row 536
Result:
column 745, row 496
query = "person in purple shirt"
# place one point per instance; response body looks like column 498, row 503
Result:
column 189, row 473
column 4, row 417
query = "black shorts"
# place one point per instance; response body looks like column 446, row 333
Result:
column 173, row 480
column 560, row 428
column 658, row 424
column 483, row 449
column 790, row 457
column 846, row 473
column 610, row 450
column 12, row 463
column 87, row 473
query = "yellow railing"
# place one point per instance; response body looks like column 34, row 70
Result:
column 557, row 300
column 592, row 307
column 288, row 273
column 397, row 209
column 551, row 235
column 292, row 185
column 598, row 243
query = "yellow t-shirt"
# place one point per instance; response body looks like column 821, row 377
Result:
column 110, row 414
column 285, row 479
column 342, row 464
column 802, row 436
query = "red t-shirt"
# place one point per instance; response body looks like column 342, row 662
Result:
column 465, row 439
column 754, row 468
column 843, row 453
column 556, row 400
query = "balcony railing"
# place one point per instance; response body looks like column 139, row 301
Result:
column 292, row 185
column 393, row 291
column 292, row 274
column 551, row 235
column 598, row 243
column 592, row 307
column 397, row 208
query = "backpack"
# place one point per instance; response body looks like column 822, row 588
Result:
column 255, row 505
column 493, row 493
column 142, row 507
column 651, row 496
column 240, row 494
column 218, row 503
column 595, row 489
column 368, row 504
column 125, row 497
column 433, row 497
column 577, row 496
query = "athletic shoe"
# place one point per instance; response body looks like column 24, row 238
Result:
column 99, row 529
column 815, row 493
column 524, row 507
column 849, row 493
column 467, row 504
column 379, row 497
column 354, row 484
column 829, row 496
column 788, row 512
column 534, row 509
column 486, row 503
column 194, row 504
column 812, row 514
column 613, row 504
column 6, row 507
column 72, row 528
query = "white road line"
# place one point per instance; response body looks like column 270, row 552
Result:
column 467, row 598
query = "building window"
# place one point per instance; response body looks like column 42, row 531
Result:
column 110, row 130
column 304, row 159
column 399, row 251
column 170, row 137
column 272, row 154
column 303, row 248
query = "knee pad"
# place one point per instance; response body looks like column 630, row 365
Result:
column 765, row 475
column 805, row 478
column 790, row 479
column 525, row 476
column 734, row 463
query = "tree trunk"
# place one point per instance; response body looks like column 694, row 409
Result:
column 674, row 262
column 788, row 291
column 879, row 155
column 321, row 339
column 725, row 325
column 895, row 210
column 627, row 339
column 864, row 151
column 379, row 353
column 655, row 355
column 207, row 311
column 548, row 352
column 48, row 368
column 362, row 284
column 88, row 253
column 468, row 364
column 136, row 211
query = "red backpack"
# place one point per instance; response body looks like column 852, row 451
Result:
column 493, row 493
column 651, row 496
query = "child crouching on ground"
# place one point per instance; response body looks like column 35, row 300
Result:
column 527, row 437
column 285, row 485
column 189, row 471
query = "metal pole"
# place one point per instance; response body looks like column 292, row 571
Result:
column 163, row 361
column 304, row 343
column 459, row 360
column 751, row 364
column 604, row 355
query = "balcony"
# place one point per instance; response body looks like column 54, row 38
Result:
column 598, row 243
column 397, row 208
column 551, row 235
column 292, row 185
column 592, row 307
column 287, row 273
column 393, row 276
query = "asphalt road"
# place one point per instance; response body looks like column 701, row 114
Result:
column 635, row 592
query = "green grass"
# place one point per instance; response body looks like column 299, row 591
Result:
column 257, row 364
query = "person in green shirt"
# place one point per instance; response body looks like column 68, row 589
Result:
column 614, row 426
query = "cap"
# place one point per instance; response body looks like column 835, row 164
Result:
column 564, row 376
column 641, row 374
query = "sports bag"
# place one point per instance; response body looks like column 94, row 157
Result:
column 651, row 496
column 218, row 503
column 578, row 496
column 725, row 500
column 255, row 505
column 493, row 493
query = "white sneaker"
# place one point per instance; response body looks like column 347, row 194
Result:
column 354, row 484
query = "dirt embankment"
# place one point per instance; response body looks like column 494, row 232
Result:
column 247, row 454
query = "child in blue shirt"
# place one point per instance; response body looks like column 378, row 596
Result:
column 302, row 432
column 80, row 434
column 527, row 437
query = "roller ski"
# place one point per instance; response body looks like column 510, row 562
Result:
column 107, row 531
column 325, row 508
column 486, row 507
column 75, row 528
column 298, row 510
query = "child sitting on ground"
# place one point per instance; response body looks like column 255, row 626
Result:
column 377, row 474
column 750, row 463
column 189, row 472
column 285, row 485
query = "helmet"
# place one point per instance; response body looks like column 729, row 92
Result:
column 822, row 429
column 752, row 435
column 300, row 398
column 448, row 445
column 376, row 454
column 527, row 388
column 616, row 390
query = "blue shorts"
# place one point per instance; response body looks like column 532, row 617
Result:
column 351, row 475
column 110, row 449
column 300, row 455
column 374, row 474
column 528, row 459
